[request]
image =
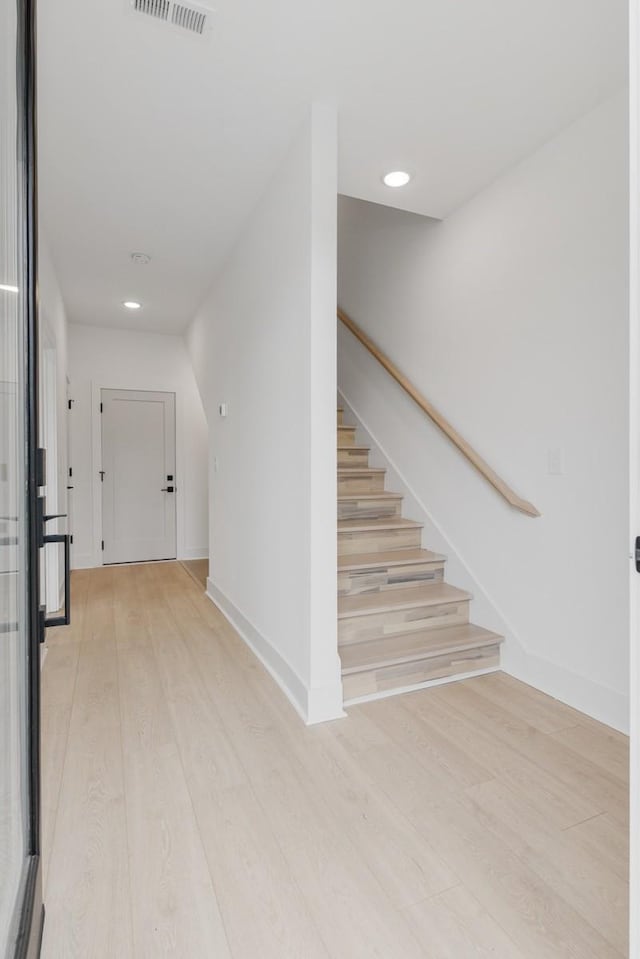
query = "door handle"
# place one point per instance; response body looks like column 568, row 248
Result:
column 167, row 489
column 65, row 619
column 43, row 539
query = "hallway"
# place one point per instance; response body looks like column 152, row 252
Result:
column 188, row 812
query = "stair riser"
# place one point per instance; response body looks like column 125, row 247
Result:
column 369, row 509
column 377, row 540
column 384, row 578
column 347, row 436
column 340, row 417
column 358, row 629
column 353, row 457
column 386, row 678
column 368, row 483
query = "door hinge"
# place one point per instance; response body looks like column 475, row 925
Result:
column 101, row 407
column 103, row 544
column 71, row 539
column 70, row 471
column 638, row 554
column 70, row 403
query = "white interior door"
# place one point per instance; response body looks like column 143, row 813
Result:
column 138, row 482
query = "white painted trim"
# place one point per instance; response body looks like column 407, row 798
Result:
column 313, row 706
column 195, row 553
column 608, row 706
column 634, row 471
column 427, row 684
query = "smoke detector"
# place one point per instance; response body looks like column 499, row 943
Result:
column 187, row 17
column 140, row 259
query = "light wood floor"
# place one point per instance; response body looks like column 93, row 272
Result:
column 189, row 813
column 198, row 569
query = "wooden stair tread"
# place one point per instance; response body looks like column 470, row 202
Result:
column 355, row 470
column 371, row 494
column 411, row 647
column 363, row 526
column 354, row 449
column 433, row 594
column 389, row 557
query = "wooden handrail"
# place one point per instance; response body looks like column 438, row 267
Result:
column 481, row 465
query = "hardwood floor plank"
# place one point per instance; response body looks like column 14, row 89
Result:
column 347, row 902
column 188, row 812
column 584, row 881
column 541, row 923
column 546, row 714
column 603, row 747
column 605, row 842
column 56, row 721
column 477, row 745
column 88, row 894
column 175, row 911
column 577, row 772
column 454, row 924
column 264, row 910
column 404, row 864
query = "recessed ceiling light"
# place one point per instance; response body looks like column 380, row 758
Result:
column 8, row 289
column 141, row 259
column 396, row 178
column 132, row 305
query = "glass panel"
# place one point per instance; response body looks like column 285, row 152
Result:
column 13, row 587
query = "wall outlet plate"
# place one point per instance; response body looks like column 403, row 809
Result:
column 555, row 462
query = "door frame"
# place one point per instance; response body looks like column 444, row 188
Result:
column 145, row 385
column 176, row 482
column 31, row 918
column 634, row 472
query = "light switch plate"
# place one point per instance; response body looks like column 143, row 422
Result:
column 555, row 462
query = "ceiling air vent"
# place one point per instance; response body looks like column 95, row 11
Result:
column 184, row 16
column 188, row 17
column 155, row 8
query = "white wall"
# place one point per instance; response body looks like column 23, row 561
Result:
column 53, row 413
column 264, row 343
column 511, row 316
column 101, row 358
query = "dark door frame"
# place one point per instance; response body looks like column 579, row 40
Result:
column 31, row 909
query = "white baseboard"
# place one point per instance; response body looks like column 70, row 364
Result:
column 312, row 705
column 600, row 702
column 201, row 553
column 90, row 561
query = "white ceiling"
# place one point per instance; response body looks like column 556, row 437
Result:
column 155, row 141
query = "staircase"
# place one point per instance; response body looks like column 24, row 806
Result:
column 399, row 623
